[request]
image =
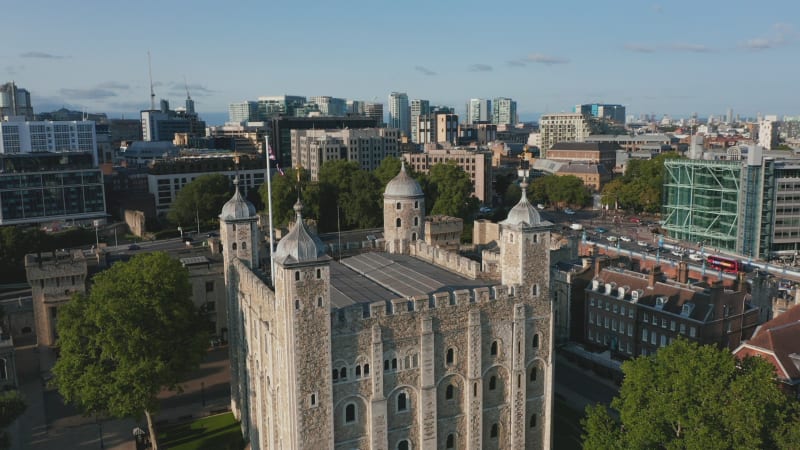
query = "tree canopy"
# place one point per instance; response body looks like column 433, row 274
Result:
column 201, row 199
column 11, row 406
column 284, row 194
column 136, row 332
column 449, row 190
column 640, row 188
column 688, row 396
column 567, row 190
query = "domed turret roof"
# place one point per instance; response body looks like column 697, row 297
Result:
column 403, row 185
column 300, row 245
column 237, row 207
column 523, row 213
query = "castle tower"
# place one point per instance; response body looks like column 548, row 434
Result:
column 239, row 238
column 302, row 297
column 403, row 212
column 525, row 265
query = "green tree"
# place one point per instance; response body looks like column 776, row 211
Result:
column 566, row 190
column 694, row 397
column 388, row 169
column 137, row 332
column 12, row 406
column 284, row 194
column 202, row 200
column 640, row 188
column 355, row 192
column 453, row 191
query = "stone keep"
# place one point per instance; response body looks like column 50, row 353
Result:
column 461, row 368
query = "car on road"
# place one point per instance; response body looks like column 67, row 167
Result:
column 641, row 243
column 625, row 239
column 635, row 220
column 600, row 230
column 485, row 210
column 569, row 211
column 611, row 239
column 213, row 234
column 133, row 247
column 696, row 257
column 540, row 206
column 678, row 252
column 576, row 226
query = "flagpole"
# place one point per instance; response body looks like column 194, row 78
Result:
column 269, row 202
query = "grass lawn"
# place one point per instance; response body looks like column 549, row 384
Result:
column 566, row 426
column 220, row 432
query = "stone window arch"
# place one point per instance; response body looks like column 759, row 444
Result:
column 493, row 349
column 534, row 374
column 536, row 340
column 233, row 246
column 319, row 301
column 451, row 441
column 492, row 383
column 535, row 290
column 416, row 204
column 402, row 402
column 343, row 373
column 416, row 221
column 319, row 273
column 244, row 245
column 350, row 413
column 335, row 374
column 533, row 421
column 297, row 304
column 398, row 205
column 449, row 392
column 403, row 445
column 366, row 369
column 296, row 275
column 313, row 399
column 398, row 223
column 494, row 431
column 535, row 238
column 450, row 357
column 358, row 371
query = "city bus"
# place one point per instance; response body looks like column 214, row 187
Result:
column 723, row 264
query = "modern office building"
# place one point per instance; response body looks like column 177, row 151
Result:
column 477, row 133
column 562, row 127
column 504, row 111
column 604, row 153
column 476, row 163
column 366, row 146
column 437, row 128
column 281, row 135
column 400, row 113
column 614, row 113
column 330, row 106
column 15, row 102
column 478, row 110
column 241, row 112
column 355, row 107
column 745, row 204
column 419, row 108
column 411, row 347
column 48, row 172
column 374, row 111
column 162, row 124
column 279, row 105
column 768, row 132
column 247, row 137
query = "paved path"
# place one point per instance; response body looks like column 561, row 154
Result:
column 50, row 424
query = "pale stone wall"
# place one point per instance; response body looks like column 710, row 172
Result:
column 135, row 221
column 485, row 232
column 54, row 278
column 446, row 259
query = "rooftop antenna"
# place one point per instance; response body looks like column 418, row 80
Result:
column 185, row 83
column 152, row 92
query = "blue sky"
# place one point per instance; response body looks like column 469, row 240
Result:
column 674, row 57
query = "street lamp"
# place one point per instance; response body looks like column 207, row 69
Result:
column 96, row 224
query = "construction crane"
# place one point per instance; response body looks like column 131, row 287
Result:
column 152, row 92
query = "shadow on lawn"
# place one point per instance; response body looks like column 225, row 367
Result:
column 203, row 434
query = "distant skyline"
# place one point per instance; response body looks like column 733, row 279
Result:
column 670, row 58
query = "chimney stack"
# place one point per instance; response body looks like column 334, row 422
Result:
column 652, row 278
column 683, row 272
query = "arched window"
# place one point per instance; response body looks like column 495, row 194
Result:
column 358, row 371
column 535, row 290
column 319, row 273
column 448, row 393
column 385, row 364
column 450, row 357
column 398, row 205
column 402, row 402
column 413, row 236
column 297, row 304
column 451, row 441
column 313, row 399
column 536, row 340
column 343, row 373
column 335, row 374
column 492, row 383
column 416, row 204
column 350, row 413
column 475, row 389
column 394, row 363
column 533, row 421
column 416, row 221
column 398, row 222
column 402, row 445
column 296, row 275
column 493, row 432
column 366, row 369
column 533, row 373
column 319, row 301
column 244, row 245
column 535, row 238
column 493, row 349
column 233, row 246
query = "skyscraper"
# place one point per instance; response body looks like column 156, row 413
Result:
column 479, row 110
column 15, row 101
column 418, row 108
column 614, row 113
column 243, row 112
column 374, row 111
column 399, row 113
column 504, row 111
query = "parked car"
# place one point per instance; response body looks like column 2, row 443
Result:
column 636, row 220
column 600, row 230
column 540, row 206
column 625, row 239
column 641, row 243
column 696, row 257
column 133, row 247
column 569, row 211
column 611, row 239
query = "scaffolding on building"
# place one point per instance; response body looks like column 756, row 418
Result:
column 701, row 202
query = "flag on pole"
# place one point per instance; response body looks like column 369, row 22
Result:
column 280, row 171
column 270, row 152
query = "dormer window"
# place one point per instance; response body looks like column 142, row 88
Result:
column 687, row 308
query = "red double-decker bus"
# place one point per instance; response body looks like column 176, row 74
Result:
column 723, row 264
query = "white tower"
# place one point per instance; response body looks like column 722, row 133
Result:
column 403, row 212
